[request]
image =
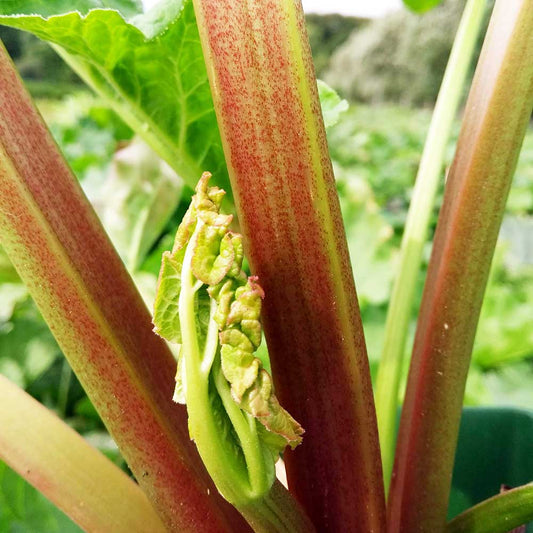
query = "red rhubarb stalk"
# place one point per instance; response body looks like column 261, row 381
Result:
column 264, row 89
column 495, row 122
column 60, row 250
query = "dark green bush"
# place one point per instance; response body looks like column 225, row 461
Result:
column 399, row 58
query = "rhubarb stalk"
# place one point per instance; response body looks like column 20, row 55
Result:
column 496, row 117
column 416, row 230
column 265, row 94
column 58, row 246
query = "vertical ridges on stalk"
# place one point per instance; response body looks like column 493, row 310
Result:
column 265, row 95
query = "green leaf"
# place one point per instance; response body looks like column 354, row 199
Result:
column 150, row 70
column 166, row 316
column 138, row 198
column 8, row 274
column 25, row 509
column 494, row 449
column 49, row 8
column 420, row 6
column 332, row 104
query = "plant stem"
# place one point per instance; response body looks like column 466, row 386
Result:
column 416, row 230
column 142, row 124
column 80, row 480
column 245, row 427
column 498, row 514
column 275, row 513
column 55, row 241
column 223, row 465
column 496, row 117
column 266, row 99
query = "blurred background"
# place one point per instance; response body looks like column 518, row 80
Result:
column 388, row 64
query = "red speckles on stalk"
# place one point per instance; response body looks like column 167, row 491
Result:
column 267, row 105
column 80, row 285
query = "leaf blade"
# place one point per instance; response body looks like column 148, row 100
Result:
column 122, row 60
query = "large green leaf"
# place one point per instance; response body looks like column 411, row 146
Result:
column 150, row 69
column 58, row 7
column 494, row 448
column 23, row 509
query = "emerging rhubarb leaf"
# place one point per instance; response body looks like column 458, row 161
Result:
column 207, row 304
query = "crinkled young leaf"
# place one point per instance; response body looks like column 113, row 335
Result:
column 206, row 264
column 251, row 386
column 261, row 402
column 166, row 317
column 214, row 254
column 150, row 69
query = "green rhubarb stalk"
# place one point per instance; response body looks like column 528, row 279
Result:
column 55, row 241
column 266, row 99
column 499, row 514
column 496, row 118
column 416, row 230
column 79, row 479
column 207, row 305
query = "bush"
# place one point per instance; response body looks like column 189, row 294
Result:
column 327, row 33
column 399, row 58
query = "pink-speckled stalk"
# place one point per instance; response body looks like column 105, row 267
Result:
column 495, row 121
column 60, row 250
column 79, row 479
column 264, row 89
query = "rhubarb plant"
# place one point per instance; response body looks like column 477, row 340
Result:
column 229, row 87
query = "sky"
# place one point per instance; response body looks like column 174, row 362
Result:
column 356, row 8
